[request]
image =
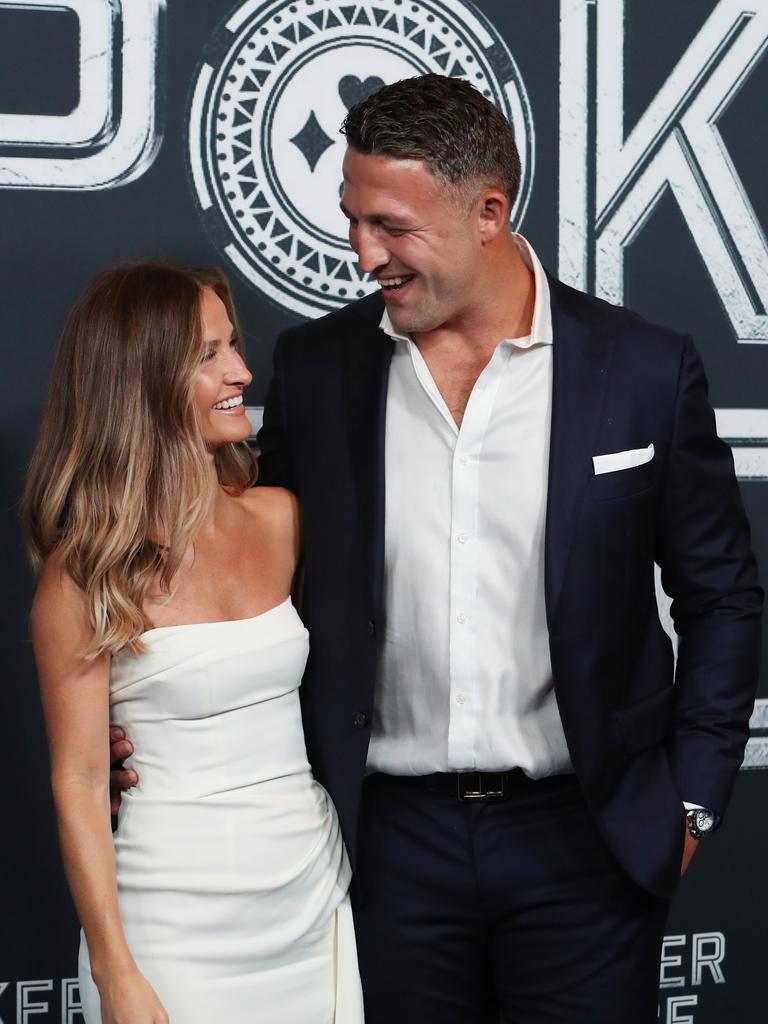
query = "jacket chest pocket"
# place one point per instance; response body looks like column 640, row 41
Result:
column 622, row 483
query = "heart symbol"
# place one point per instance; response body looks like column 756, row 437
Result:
column 353, row 91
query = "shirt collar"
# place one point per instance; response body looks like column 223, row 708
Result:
column 541, row 325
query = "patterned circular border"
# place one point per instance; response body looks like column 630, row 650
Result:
column 273, row 62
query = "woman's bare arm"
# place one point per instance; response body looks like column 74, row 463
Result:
column 75, row 695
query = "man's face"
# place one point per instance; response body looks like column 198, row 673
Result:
column 410, row 233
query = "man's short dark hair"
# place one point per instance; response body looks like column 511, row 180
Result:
column 459, row 134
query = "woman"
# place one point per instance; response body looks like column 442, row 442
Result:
column 163, row 602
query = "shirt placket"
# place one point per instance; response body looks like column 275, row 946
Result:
column 465, row 700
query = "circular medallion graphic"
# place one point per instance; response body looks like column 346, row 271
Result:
column 276, row 81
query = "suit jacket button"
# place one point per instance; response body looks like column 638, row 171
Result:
column 371, row 627
column 359, row 719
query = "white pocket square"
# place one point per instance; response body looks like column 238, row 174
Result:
column 622, row 460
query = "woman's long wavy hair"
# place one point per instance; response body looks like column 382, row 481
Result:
column 119, row 481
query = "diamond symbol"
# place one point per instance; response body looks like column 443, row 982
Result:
column 312, row 141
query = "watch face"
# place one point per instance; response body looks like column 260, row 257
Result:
column 704, row 820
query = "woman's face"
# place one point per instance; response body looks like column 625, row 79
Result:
column 221, row 377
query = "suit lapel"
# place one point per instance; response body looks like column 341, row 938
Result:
column 368, row 355
column 581, row 365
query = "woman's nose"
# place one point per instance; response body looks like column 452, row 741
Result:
column 237, row 371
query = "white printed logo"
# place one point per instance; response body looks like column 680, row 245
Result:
column 40, row 997
column 265, row 151
column 112, row 135
column 675, row 145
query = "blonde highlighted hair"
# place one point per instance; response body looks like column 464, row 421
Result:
column 119, row 481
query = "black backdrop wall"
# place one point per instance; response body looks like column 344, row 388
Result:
column 206, row 131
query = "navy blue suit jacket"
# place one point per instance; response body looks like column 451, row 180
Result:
column 639, row 744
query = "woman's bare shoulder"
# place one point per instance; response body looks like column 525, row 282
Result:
column 59, row 605
column 275, row 512
column 55, row 586
column 276, row 503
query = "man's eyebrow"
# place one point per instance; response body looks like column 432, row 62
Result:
column 374, row 218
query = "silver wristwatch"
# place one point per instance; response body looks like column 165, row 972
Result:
column 701, row 821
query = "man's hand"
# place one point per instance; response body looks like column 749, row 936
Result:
column 119, row 778
column 691, row 846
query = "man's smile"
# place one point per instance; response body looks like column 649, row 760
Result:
column 390, row 285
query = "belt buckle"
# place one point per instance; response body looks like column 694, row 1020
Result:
column 478, row 785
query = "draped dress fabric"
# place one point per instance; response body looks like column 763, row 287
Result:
column 231, row 870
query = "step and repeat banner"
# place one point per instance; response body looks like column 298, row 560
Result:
column 206, row 131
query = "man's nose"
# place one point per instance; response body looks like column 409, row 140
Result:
column 370, row 249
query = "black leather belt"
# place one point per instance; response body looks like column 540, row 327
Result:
column 479, row 785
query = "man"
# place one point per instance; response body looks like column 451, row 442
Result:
column 488, row 464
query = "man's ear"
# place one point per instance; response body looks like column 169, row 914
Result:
column 492, row 214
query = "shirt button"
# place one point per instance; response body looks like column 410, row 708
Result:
column 461, row 698
column 461, row 618
column 359, row 720
column 464, row 460
column 462, row 538
column 371, row 628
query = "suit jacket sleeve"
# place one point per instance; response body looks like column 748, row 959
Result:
column 275, row 457
column 709, row 571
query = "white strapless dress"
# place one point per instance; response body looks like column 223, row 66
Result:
column 231, row 870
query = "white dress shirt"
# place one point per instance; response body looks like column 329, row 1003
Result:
column 465, row 680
